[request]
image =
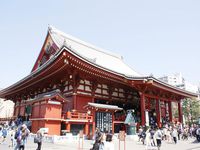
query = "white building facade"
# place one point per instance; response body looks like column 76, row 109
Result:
column 178, row 81
column 6, row 108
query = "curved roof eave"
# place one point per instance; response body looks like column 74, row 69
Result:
column 163, row 84
column 184, row 92
column 32, row 74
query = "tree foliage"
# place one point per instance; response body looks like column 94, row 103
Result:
column 191, row 109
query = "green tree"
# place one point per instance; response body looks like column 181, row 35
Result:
column 191, row 110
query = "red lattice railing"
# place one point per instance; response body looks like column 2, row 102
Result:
column 78, row 116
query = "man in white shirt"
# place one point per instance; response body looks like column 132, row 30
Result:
column 158, row 137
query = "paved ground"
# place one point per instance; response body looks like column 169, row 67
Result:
column 130, row 145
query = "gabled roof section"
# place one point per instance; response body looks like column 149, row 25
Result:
column 50, row 95
column 97, row 56
column 48, row 50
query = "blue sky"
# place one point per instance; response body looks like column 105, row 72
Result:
column 154, row 37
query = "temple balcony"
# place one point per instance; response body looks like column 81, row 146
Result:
column 78, row 117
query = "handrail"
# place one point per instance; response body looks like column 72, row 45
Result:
column 78, row 116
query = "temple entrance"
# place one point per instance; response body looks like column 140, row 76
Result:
column 103, row 116
column 152, row 117
column 164, row 110
column 150, row 105
column 158, row 112
column 120, row 116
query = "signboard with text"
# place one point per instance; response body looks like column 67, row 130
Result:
column 104, row 121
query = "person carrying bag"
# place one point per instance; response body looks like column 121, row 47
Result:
column 38, row 139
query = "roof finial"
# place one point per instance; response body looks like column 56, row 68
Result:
column 49, row 27
column 64, row 42
column 151, row 75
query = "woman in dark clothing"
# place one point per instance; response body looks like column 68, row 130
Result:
column 99, row 144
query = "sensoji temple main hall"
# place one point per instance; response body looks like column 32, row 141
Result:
column 76, row 86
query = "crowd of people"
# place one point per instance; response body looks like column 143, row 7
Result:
column 153, row 136
column 18, row 135
column 18, row 132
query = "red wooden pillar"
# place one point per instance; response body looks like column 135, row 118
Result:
column 93, row 123
column 40, row 122
column 39, row 109
column 142, row 107
column 113, row 125
column 74, row 100
column 180, row 112
column 158, row 112
column 170, row 110
column 68, row 127
column 166, row 108
column 89, row 130
column 19, row 110
column 86, row 128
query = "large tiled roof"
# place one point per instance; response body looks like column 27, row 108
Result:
column 95, row 56
column 98, row 56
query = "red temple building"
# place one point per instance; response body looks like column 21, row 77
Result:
column 76, row 86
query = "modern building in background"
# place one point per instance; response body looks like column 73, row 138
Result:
column 6, row 108
column 76, row 86
column 178, row 80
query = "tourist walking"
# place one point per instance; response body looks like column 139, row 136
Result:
column 4, row 134
column 158, row 137
column 168, row 135
column 38, row 140
column 179, row 132
column 26, row 132
column 152, row 132
column 143, row 136
column 148, row 140
column 165, row 133
column 140, row 133
column 21, row 136
column 174, row 135
column 98, row 144
column 12, row 137
column 185, row 134
column 18, row 137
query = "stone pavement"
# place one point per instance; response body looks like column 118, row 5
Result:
column 130, row 145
